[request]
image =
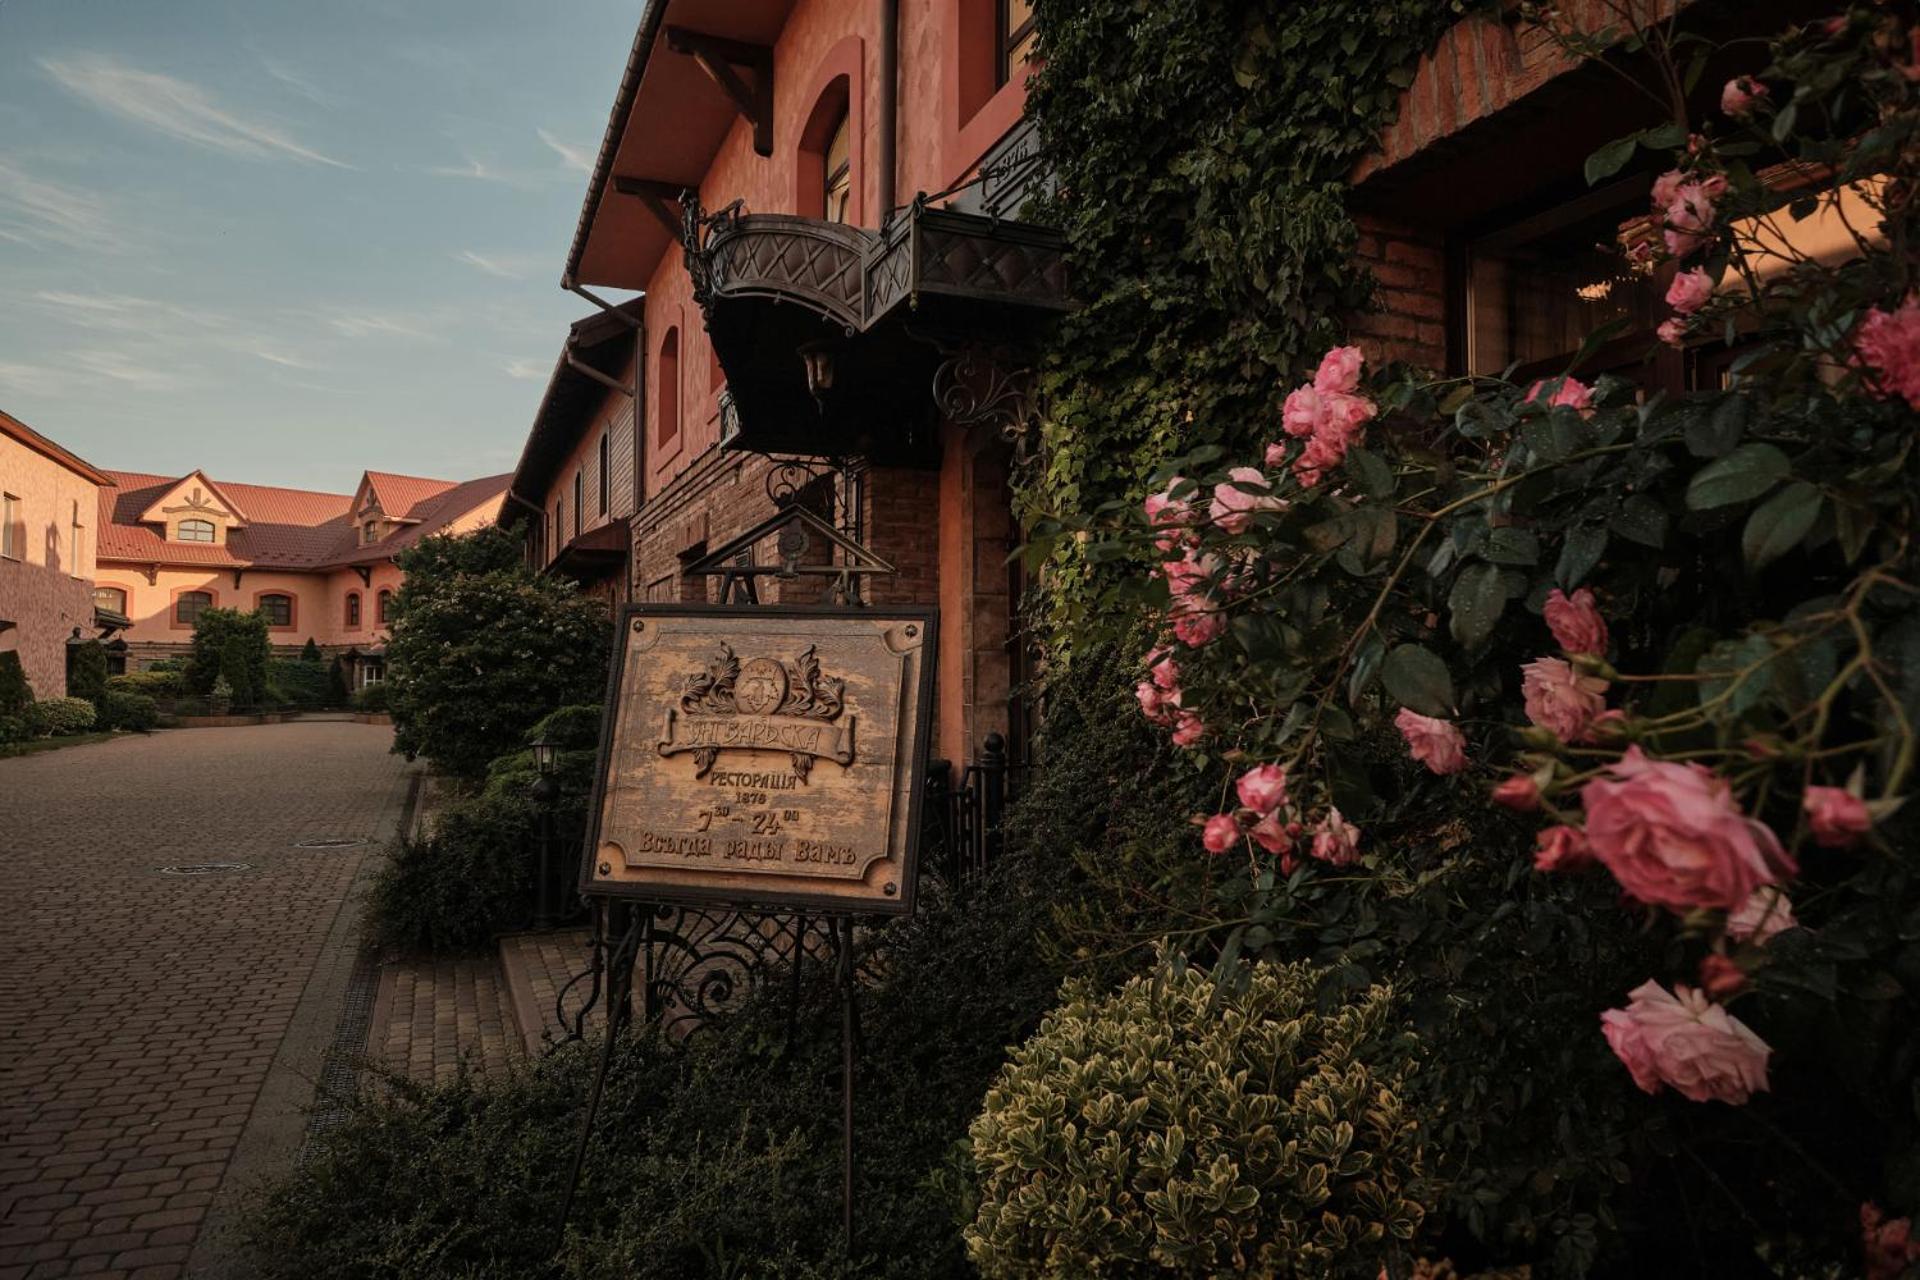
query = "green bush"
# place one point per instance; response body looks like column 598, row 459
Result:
column 15, row 692
column 13, row 729
column 299, row 683
column 310, row 652
column 371, row 698
column 155, row 682
column 237, row 670
column 87, row 671
column 59, row 717
column 214, row 632
column 1179, row 1127
column 134, row 711
column 470, row 878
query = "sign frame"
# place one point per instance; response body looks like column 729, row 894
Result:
column 743, row 898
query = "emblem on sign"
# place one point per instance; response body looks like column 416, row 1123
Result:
column 763, row 704
column 764, row 756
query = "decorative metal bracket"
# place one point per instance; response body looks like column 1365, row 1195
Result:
column 978, row 385
column 697, row 228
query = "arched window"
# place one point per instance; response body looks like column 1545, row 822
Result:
column 194, row 531
column 579, row 498
column 353, row 610
column 606, row 469
column 381, row 604
column 276, row 607
column 667, row 407
column 836, row 164
column 112, row 599
column 189, row 605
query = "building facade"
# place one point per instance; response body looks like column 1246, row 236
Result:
column 316, row 566
column 49, row 504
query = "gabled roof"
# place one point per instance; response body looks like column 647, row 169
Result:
column 293, row 529
column 15, row 429
column 156, row 512
column 603, row 342
column 398, row 495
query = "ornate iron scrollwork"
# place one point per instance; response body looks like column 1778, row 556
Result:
column 697, row 229
column 979, row 385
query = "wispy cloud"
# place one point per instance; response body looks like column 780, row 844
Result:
column 374, row 324
column 505, row 268
column 274, row 355
column 121, row 312
column 578, row 159
column 123, row 368
column 29, row 379
column 175, row 107
column 299, row 84
column 470, row 168
column 528, row 370
column 34, row 211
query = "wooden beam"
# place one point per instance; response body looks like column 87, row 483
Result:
column 657, row 195
column 718, row 57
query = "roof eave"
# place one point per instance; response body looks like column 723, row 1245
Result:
column 643, row 41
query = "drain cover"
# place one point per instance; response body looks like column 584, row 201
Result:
column 330, row 842
column 205, row 868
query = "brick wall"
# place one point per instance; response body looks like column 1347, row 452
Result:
column 1409, row 267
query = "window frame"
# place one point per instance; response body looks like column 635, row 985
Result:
column 13, row 533
column 606, row 470
column 213, row 531
column 382, row 606
column 1005, row 41
column 352, row 613
column 209, row 599
column 579, row 496
column 121, row 592
column 260, row 607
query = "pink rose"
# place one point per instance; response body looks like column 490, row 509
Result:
column 1164, row 670
column 1169, row 514
column 1666, row 187
column 1887, row 1243
column 1519, row 793
column 1672, row 835
column 1188, row 728
column 1346, row 415
column 1190, row 575
column 1221, row 833
column 1154, row 703
column 1690, row 291
column 1690, row 215
column 1741, row 95
column 1275, row 835
column 1765, row 913
column 1233, row 506
column 1263, row 788
column 1561, row 848
column 1276, row 455
column 1887, row 345
column 1303, row 412
column 1721, row 978
column 1196, row 623
column 1568, row 392
column 1339, row 370
column 1438, row 744
column 1672, row 331
column 1576, row 623
column 1560, row 699
column 1684, row 1040
column 1837, row 817
column 1336, row 841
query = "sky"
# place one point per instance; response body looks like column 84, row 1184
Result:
column 287, row 241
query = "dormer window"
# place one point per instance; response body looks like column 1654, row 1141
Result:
column 195, row 531
column 369, row 533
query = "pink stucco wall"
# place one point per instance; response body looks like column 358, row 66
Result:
column 47, row 592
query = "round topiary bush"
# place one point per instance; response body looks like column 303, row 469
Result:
column 58, row 716
column 1177, row 1126
column 135, row 711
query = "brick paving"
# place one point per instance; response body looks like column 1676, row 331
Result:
column 537, row 967
column 141, row 1013
column 433, row 1014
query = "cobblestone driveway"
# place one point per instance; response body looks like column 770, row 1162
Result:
column 152, row 1024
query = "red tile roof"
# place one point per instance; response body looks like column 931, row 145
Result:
column 285, row 528
column 399, row 495
column 26, row 435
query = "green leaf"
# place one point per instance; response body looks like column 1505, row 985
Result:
column 1611, row 159
column 1510, row 545
column 1415, row 677
column 1582, row 550
column 1778, row 524
column 1474, row 606
column 1744, row 474
column 1374, row 476
column 1717, row 432
column 1663, row 137
column 1853, row 525
column 1642, row 520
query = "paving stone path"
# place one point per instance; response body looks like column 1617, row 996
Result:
column 160, row 1033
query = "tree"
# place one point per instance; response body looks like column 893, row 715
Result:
column 310, row 652
column 483, row 648
column 234, row 668
column 87, row 672
column 211, row 634
column 15, row 692
column 337, row 694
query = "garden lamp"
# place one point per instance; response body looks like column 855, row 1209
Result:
column 544, row 751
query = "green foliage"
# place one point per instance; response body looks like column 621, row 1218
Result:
column 1202, row 150
column 300, row 683
column 59, row 717
column 13, row 729
column 1182, row 1128
column 310, row 652
column 482, row 648
column 213, row 632
column 736, row 1131
column 15, row 692
column 337, row 694
column 87, row 671
column 155, row 682
column 371, row 697
column 222, row 694
column 133, row 711
column 470, row 878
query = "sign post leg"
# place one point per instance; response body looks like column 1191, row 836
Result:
column 625, row 951
column 844, row 933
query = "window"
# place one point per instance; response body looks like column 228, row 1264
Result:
column 276, row 608
column 838, row 179
column 370, row 533
column 381, row 604
column 112, row 599
column 606, row 470
column 13, row 531
column 194, row 531
column 1015, row 38
column 353, row 610
column 579, row 502
column 560, row 522
column 667, row 410
column 189, row 605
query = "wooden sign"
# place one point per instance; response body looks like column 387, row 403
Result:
column 764, row 756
